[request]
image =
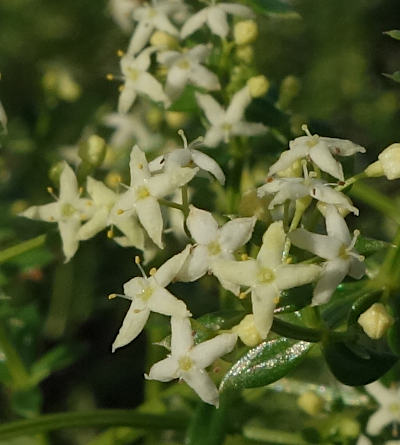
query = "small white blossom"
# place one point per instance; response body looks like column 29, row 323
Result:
column 185, row 67
column 188, row 362
column 297, row 188
column 145, row 190
column 138, row 80
column 148, row 294
column 215, row 17
column 266, row 276
column 214, row 243
column 389, row 410
column 122, row 10
column 337, row 248
column 68, row 211
column 320, row 150
column 229, row 122
column 131, row 127
column 150, row 17
column 188, row 156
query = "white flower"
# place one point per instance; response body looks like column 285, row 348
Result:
column 389, row 411
column 121, row 11
column 188, row 362
column 106, row 214
column 297, row 188
column 187, row 157
column 150, row 17
column 145, row 190
column 148, row 294
column 215, row 17
column 129, row 127
column 68, row 211
column 138, row 80
column 225, row 124
column 3, row 118
column 214, row 243
column 184, row 68
column 337, row 248
column 266, row 276
column 320, row 150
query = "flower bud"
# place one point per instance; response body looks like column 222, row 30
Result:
column 251, row 205
column 247, row 331
column 310, row 403
column 349, row 428
column 175, row 119
column 289, row 89
column 163, row 40
column 154, row 117
column 245, row 32
column 55, row 172
column 93, row 150
column 258, row 86
column 388, row 163
column 294, row 171
column 113, row 179
column 375, row 321
column 343, row 211
column 245, row 53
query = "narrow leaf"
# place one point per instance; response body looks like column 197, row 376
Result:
column 264, row 364
column 366, row 246
column 395, row 76
column 394, row 33
column 268, row 7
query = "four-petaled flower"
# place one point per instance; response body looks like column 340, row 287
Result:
column 148, row 294
column 320, row 150
column 185, row 67
column 266, row 276
column 188, row 362
column 215, row 17
column 337, row 248
column 389, row 410
column 225, row 124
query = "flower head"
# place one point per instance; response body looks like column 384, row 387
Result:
column 188, row 362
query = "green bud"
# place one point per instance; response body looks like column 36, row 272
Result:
column 55, row 172
column 93, row 150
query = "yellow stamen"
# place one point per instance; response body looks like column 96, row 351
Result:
column 137, row 259
column 110, row 76
column 153, row 271
column 50, row 190
column 120, row 212
column 242, row 295
column 110, row 234
column 112, row 296
column 276, row 300
column 120, row 53
column 121, row 88
column 244, row 257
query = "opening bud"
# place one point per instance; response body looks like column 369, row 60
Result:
column 375, row 321
column 245, row 53
column 388, row 163
column 247, row 332
column 245, row 32
column 163, row 40
column 258, row 86
column 310, row 403
column 175, row 119
column 93, row 150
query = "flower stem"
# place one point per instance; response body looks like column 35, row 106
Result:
column 172, row 205
column 21, row 248
column 351, row 181
column 275, row 437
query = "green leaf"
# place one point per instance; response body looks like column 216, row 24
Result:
column 356, row 367
column 395, row 76
column 268, row 7
column 394, row 337
column 27, row 403
column 294, row 299
column 264, row 364
column 394, row 33
column 206, row 326
column 366, row 246
column 361, row 305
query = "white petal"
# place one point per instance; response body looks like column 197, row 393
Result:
column 270, row 254
column 126, row 98
column 213, row 137
column 199, row 380
column 235, row 9
column 168, row 58
column 322, row 157
column 166, row 183
column 48, row 212
column 336, row 226
column 133, row 324
column 100, row 193
column 204, row 78
column 263, row 301
column 244, row 128
column 130, row 227
column 321, row 245
column 140, row 37
column 177, row 78
column 149, row 85
column 204, row 354
column 199, row 52
column 357, row 268
column 207, row 163
column 238, row 272
column 68, row 184
column 170, row 269
column 149, row 214
column 333, row 273
column 196, row 265
column 143, row 61
column 342, row 147
column 181, row 337
column 377, row 421
column 163, row 302
column 379, row 392
column 138, row 166
column 288, row 157
column 164, row 371
column 194, row 23
column 216, row 19
column 69, row 235
column 236, row 233
column 293, row 275
column 328, row 195
column 290, row 190
column 95, row 224
column 212, row 109
column 135, row 286
column 162, row 23
column 202, row 225
column 238, row 104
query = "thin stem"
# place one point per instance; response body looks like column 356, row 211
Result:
column 172, row 205
column 100, row 418
column 351, row 181
column 13, row 361
column 185, row 204
column 275, row 437
column 290, row 330
column 21, row 248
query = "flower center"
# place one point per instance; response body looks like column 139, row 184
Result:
column 185, row 363
column 142, row 192
column 344, row 252
column 265, row 275
column 152, row 12
column 146, row 293
column 394, row 408
column 133, row 73
column 67, row 210
column 183, row 64
column 214, row 248
column 227, row 126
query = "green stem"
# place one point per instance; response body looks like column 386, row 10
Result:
column 96, row 418
column 185, row 204
column 172, row 205
column 21, row 248
column 351, row 181
column 376, row 200
column 14, row 364
column 392, row 254
column 273, row 436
